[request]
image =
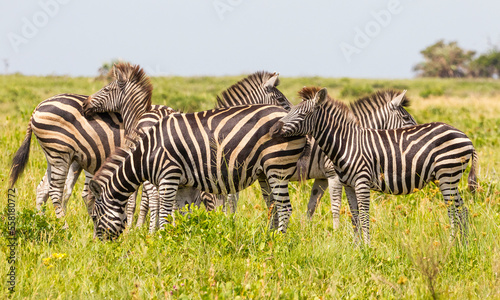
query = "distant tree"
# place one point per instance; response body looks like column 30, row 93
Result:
column 444, row 60
column 105, row 69
column 486, row 65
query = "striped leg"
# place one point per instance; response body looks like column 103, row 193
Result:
column 336, row 199
column 87, row 196
column 280, row 202
column 363, row 198
column 232, row 202
column 58, row 175
column 167, row 190
column 154, row 209
column 318, row 189
column 149, row 202
column 457, row 211
column 131, row 208
column 42, row 190
column 73, row 174
column 271, row 206
column 143, row 208
column 353, row 207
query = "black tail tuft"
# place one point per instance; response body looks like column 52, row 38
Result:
column 20, row 158
column 472, row 181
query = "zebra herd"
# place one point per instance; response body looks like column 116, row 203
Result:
column 253, row 134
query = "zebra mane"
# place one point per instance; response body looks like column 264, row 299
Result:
column 125, row 72
column 247, row 84
column 379, row 99
column 308, row 93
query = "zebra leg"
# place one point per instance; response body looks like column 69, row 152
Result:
column 335, row 188
column 363, row 198
column 212, row 201
column 457, row 211
column 280, row 202
column 167, row 190
column 353, row 207
column 73, row 174
column 131, row 208
column 42, row 190
column 271, row 208
column 86, row 193
column 209, row 200
column 154, row 207
column 232, row 200
column 317, row 192
column 149, row 202
column 58, row 174
column 143, row 208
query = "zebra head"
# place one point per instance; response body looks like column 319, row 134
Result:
column 129, row 94
column 109, row 220
column 257, row 88
column 398, row 116
column 300, row 120
column 384, row 109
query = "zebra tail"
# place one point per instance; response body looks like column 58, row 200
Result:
column 472, row 181
column 21, row 157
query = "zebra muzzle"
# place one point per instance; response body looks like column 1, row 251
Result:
column 275, row 131
column 87, row 108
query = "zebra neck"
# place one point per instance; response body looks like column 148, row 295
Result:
column 338, row 136
column 131, row 117
column 123, row 172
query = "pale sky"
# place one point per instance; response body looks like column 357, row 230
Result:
column 362, row 39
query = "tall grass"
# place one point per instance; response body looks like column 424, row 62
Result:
column 213, row 255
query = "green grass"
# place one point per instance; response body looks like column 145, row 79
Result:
column 213, row 255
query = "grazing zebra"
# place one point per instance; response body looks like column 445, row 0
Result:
column 381, row 110
column 219, row 151
column 397, row 161
column 71, row 142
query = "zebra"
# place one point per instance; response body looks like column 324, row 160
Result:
column 62, row 132
column 118, row 96
column 397, row 161
column 70, row 142
column 380, row 110
column 219, row 151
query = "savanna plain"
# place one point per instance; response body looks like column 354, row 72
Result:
column 214, row 255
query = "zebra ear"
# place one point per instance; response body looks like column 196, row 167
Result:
column 273, row 81
column 397, row 101
column 119, row 76
column 321, row 96
column 95, row 188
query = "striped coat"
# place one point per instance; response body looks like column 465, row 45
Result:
column 219, row 151
column 397, row 161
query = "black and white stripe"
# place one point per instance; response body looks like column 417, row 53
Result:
column 397, row 161
column 71, row 143
column 220, row 151
column 383, row 109
column 257, row 88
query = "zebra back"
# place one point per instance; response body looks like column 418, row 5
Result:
column 60, row 128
